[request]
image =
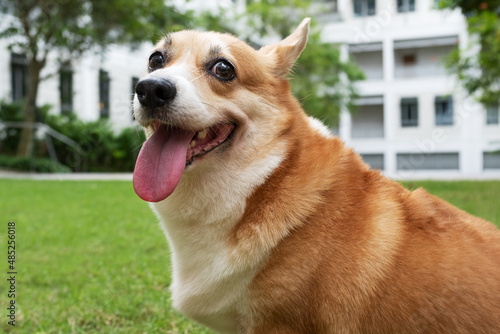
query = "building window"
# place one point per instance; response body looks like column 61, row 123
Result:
column 104, row 94
column 368, row 120
column 428, row 161
column 406, row 6
column 492, row 116
column 444, row 110
column 19, row 71
column 409, row 112
column 66, row 90
column 409, row 59
column 376, row 161
column 491, row 160
column 364, row 8
column 135, row 80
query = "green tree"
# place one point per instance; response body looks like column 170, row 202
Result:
column 70, row 28
column 478, row 65
column 322, row 81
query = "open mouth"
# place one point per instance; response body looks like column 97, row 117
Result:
column 165, row 155
column 206, row 140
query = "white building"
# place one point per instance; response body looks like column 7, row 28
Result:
column 413, row 120
column 94, row 86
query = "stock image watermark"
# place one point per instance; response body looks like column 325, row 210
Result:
column 11, row 273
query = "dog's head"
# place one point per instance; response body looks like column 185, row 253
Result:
column 209, row 98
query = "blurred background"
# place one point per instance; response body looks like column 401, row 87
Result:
column 411, row 85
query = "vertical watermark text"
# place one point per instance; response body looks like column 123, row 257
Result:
column 11, row 273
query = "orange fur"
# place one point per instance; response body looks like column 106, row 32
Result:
column 362, row 254
column 319, row 243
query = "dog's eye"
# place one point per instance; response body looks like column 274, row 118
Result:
column 223, row 70
column 156, row 61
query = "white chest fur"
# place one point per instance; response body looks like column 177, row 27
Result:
column 197, row 219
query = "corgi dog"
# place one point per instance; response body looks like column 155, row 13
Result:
column 275, row 226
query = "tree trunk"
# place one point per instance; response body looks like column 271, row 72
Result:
column 25, row 146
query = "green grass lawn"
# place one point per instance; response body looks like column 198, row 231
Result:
column 91, row 257
column 479, row 198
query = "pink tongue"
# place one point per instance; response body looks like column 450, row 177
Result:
column 160, row 163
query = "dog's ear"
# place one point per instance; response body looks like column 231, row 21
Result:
column 284, row 54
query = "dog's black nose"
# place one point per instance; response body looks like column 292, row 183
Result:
column 155, row 92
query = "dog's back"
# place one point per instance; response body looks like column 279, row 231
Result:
column 365, row 255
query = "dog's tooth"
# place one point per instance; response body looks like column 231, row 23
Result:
column 191, row 144
column 202, row 134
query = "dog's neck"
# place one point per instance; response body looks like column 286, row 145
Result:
column 217, row 224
